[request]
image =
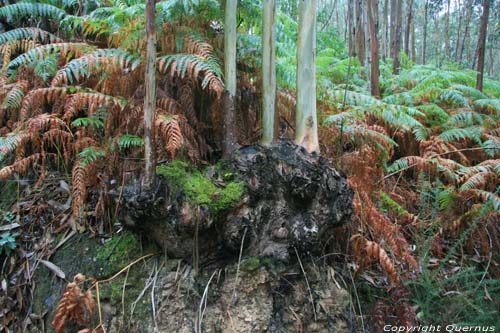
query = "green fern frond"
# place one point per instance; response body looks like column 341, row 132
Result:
column 63, row 49
column 447, row 197
column 352, row 98
column 454, row 98
column 434, row 115
column 469, row 92
column 90, row 155
column 38, row 35
column 465, row 118
column 9, row 143
column 92, row 122
column 192, row 66
column 28, row 9
column 488, row 105
column 95, row 63
column 457, row 134
column 15, row 96
column 128, row 141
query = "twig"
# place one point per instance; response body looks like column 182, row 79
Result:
column 307, row 283
column 233, row 296
column 153, row 297
column 203, row 305
column 126, row 267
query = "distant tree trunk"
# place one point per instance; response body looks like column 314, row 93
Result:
column 397, row 40
column 413, row 51
column 470, row 7
column 360, row 32
column 306, row 133
column 372, row 13
column 408, row 27
column 150, row 98
column 268, row 70
column 482, row 44
column 459, row 30
column 229, row 141
column 392, row 52
column 351, row 28
column 447, row 32
column 385, row 32
column 424, row 43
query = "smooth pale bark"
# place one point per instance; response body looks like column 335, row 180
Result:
column 228, row 141
column 467, row 29
column 447, row 32
column 268, row 71
column 306, row 133
column 372, row 13
column 150, row 98
column 482, row 44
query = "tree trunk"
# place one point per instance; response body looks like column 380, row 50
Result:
column 350, row 28
column 459, row 30
column 229, row 141
column 467, row 28
column 392, row 52
column 150, row 98
column 397, row 40
column 385, row 32
column 447, row 32
column 306, row 133
column 372, row 13
column 360, row 32
column 268, row 70
column 408, row 27
column 424, row 43
column 482, row 44
column 413, row 51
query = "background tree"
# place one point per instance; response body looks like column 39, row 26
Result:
column 306, row 133
column 372, row 13
column 150, row 97
column 229, row 138
column 268, row 70
column 481, row 46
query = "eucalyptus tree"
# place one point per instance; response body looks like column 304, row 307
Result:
column 306, row 133
column 230, row 10
column 481, row 45
column 268, row 70
column 150, row 97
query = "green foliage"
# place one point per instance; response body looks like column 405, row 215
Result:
column 46, row 68
column 128, row 141
column 27, row 9
column 8, row 243
column 199, row 189
column 28, row 33
column 90, row 155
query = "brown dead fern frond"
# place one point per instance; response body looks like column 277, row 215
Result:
column 168, row 128
column 36, row 98
column 20, row 166
column 75, row 306
column 368, row 251
column 79, row 190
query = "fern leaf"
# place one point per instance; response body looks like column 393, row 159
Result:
column 96, row 63
column 457, row 134
column 169, row 128
column 193, row 66
column 21, row 166
column 63, row 49
column 15, row 96
column 35, row 34
column 90, row 155
column 128, row 141
column 9, row 144
column 36, row 98
column 27, row 9
column 488, row 105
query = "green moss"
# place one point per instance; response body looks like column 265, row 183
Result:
column 118, row 252
column 201, row 190
column 250, row 264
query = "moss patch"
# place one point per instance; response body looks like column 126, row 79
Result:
column 201, row 190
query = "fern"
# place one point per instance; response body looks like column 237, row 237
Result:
column 128, row 141
column 94, row 123
column 95, row 63
column 90, row 154
column 28, row 9
column 191, row 66
column 488, row 105
column 469, row 92
column 15, row 96
column 9, row 144
column 40, row 52
column 345, row 97
column 456, row 134
column 38, row 35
